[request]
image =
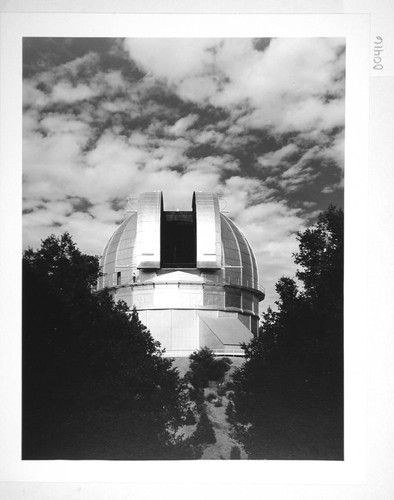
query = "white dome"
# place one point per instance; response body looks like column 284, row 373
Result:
column 185, row 272
column 231, row 261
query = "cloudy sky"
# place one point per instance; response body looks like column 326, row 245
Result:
column 258, row 121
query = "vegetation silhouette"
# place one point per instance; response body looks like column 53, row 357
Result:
column 205, row 367
column 95, row 383
column 204, row 433
column 288, row 395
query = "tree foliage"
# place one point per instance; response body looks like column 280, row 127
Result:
column 204, row 367
column 204, row 433
column 293, row 375
column 95, row 383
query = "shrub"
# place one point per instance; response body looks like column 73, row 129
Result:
column 230, row 412
column 229, row 386
column 190, row 419
column 235, row 453
column 211, row 397
column 196, row 395
column 230, row 395
column 205, row 368
column 221, row 390
column 204, row 433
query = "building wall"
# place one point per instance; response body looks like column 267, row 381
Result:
column 207, row 338
column 176, row 330
column 151, row 295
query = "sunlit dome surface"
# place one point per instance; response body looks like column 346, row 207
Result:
column 193, row 268
column 237, row 261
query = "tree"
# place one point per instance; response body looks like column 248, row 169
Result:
column 293, row 375
column 235, row 453
column 95, row 383
column 204, row 367
column 204, row 433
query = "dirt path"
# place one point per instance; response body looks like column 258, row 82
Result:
column 220, row 450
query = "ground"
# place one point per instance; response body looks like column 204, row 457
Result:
column 224, row 441
column 221, row 450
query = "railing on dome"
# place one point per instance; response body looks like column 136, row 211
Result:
column 217, row 280
column 113, row 280
column 230, row 352
column 236, row 351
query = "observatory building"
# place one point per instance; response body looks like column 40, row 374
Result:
column 191, row 275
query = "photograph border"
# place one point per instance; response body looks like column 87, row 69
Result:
column 354, row 27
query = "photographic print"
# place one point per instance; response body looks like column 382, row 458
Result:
column 183, row 248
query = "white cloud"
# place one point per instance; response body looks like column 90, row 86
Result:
column 32, row 96
column 64, row 92
column 286, row 86
column 218, row 164
column 181, row 125
column 273, row 159
column 55, row 123
column 336, row 150
column 293, row 86
column 86, row 231
column 172, row 59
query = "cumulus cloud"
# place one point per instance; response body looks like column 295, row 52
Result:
column 181, row 125
column 256, row 123
column 289, row 86
column 171, row 59
column 274, row 159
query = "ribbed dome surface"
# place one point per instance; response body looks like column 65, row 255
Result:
column 119, row 251
column 238, row 261
column 191, row 275
column 225, row 258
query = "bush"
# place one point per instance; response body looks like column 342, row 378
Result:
column 230, row 412
column 197, row 395
column 222, row 390
column 204, row 434
column 211, row 397
column 235, row 453
column 190, row 419
column 204, row 367
column 230, row 395
column 229, row 386
column 184, row 449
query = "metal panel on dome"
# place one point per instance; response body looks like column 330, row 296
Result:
column 229, row 331
column 245, row 256
column 148, row 230
column 209, row 248
column 232, row 262
column 109, row 256
column 125, row 262
column 254, row 264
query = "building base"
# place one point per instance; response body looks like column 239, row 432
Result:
column 182, row 331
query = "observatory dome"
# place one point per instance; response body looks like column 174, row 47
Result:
column 192, row 275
